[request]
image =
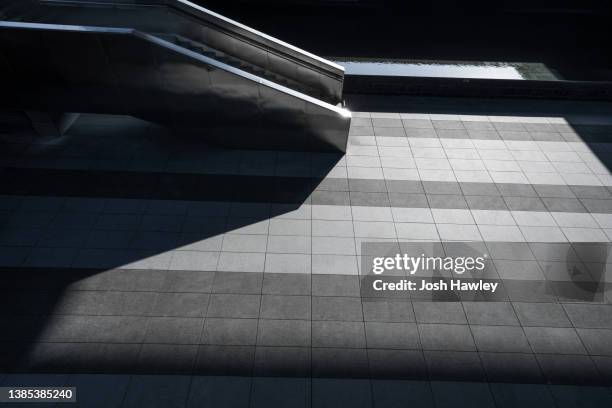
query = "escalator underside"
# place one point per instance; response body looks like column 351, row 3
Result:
column 172, row 63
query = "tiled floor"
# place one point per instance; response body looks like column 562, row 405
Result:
column 152, row 270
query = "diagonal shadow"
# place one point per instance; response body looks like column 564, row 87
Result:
column 35, row 299
column 137, row 217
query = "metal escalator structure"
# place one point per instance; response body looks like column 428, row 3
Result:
column 174, row 63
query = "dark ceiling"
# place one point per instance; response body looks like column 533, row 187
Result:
column 569, row 35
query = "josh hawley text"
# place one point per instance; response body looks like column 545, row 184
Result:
column 440, row 285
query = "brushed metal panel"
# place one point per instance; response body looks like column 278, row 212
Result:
column 204, row 26
column 66, row 68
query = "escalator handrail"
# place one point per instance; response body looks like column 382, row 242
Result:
column 194, row 10
column 177, row 48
